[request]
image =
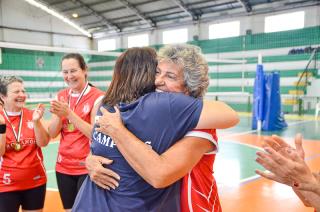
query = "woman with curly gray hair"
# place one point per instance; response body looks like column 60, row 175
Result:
column 183, row 69
column 190, row 65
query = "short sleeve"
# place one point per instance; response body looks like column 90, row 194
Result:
column 206, row 134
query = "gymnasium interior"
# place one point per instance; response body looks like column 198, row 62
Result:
column 234, row 35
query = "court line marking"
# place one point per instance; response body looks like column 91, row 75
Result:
column 241, row 182
column 52, row 189
column 253, row 131
column 50, row 143
column 249, row 179
column 50, row 171
column 256, row 177
column 244, row 144
column 54, row 142
column 312, row 157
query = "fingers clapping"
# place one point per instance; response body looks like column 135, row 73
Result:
column 38, row 112
column 59, row 108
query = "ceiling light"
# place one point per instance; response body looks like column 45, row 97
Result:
column 75, row 15
column 58, row 15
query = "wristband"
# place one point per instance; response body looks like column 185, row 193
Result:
column 3, row 128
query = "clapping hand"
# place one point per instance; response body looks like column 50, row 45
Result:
column 311, row 186
column 285, row 163
column 60, row 108
column 38, row 112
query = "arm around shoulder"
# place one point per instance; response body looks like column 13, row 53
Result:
column 217, row 115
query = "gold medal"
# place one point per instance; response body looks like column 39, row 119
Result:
column 70, row 127
column 17, row 147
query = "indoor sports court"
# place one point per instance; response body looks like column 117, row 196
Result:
column 263, row 58
column 240, row 189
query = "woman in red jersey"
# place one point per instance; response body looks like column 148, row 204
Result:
column 22, row 174
column 72, row 107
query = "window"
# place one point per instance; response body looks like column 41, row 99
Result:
column 106, row 45
column 284, row 22
column 224, row 30
column 175, row 36
column 138, row 40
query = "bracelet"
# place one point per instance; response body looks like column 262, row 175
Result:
column 3, row 128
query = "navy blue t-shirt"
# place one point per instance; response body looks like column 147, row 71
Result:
column 158, row 119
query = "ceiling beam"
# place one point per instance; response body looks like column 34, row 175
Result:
column 88, row 4
column 70, row 9
column 104, row 11
column 103, row 19
column 175, row 14
column 91, row 4
column 57, row 2
column 246, row 4
column 189, row 12
column 129, row 6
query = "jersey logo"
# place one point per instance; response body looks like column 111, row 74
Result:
column 86, row 108
column 149, row 144
column 103, row 139
column 36, row 177
column 30, row 124
column 59, row 159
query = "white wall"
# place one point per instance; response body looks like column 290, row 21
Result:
column 27, row 20
column 314, row 89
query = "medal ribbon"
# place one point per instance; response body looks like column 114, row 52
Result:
column 17, row 136
column 80, row 96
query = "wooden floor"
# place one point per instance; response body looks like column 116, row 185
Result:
column 239, row 188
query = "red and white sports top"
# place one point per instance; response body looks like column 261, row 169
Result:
column 24, row 169
column 75, row 146
column 199, row 189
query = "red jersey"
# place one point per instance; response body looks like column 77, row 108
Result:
column 199, row 189
column 75, row 146
column 24, row 169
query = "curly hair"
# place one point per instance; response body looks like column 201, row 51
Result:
column 7, row 80
column 194, row 65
